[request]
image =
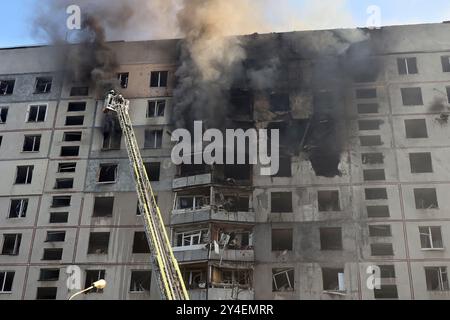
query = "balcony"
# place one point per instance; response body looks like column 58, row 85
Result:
column 207, row 213
column 233, row 255
column 235, row 293
column 192, row 181
column 191, row 253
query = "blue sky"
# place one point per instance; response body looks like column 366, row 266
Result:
column 17, row 15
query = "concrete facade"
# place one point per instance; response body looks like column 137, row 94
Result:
column 193, row 203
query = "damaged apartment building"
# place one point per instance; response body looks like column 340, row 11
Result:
column 363, row 182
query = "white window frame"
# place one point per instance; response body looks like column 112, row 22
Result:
column 286, row 273
column 190, row 236
column 16, row 246
column 2, row 285
column 155, row 141
column 22, row 214
column 34, row 142
column 194, row 202
column 430, row 237
column 37, row 114
column 157, row 102
column 159, row 78
column 405, row 60
column 440, row 272
column 27, row 175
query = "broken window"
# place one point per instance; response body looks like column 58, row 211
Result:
column 55, row 236
column 366, row 125
column 37, row 113
column 43, row 85
column 374, row 175
column 407, row 66
column 328, row 201
column 445, row 63
column 431, row 238
column 282, row 239
column 18, row 208
column 72, row 151
column 366, row 93
column 67, row 167
column 74, row 121
column 156, row 108
column 368, row 108
column 153, row 139
column 98, row 243
column 46, row 293
column 6, row 281
column 192, row 202
column 241, row 101
column 49, row 275
column 108, row 173
column 372, row 158
column 24, row 174
column 140, row 243
column 79, row 91
column 380, row 231
column 7, row 87
column 237, row 172
column 233, row 203
column 283, row 280
column 94, row 276
column 386, row 291
column 331, row 239
column 378, row 211
column 416, row 129
column 376, row 194
column 229, row 277
column 387, row 271
column 3, row 114
column 112, row 140
column 192, row 238
column 51, row 254
column 72, row 136
column 437, row 279
column 382, row 249
column 158, row 79
column 11, row 244
column 412, row 96
column 370, row 141
column 281, row 202
column 140, row 281
column 76, row 107
column 31, row 144
column 421, row 162
column 333, row 279
column 186, row 170
column 194, row 279
column 61, row 201
column 59, row 217
column 103, row 207
column 426, row 198
column 123, row 79
column 279, row 102
column 285, row 170
column 64, row 183
column 153, row 170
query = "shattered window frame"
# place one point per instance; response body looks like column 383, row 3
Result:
column 103, row 177
column 67, row 167
column 288, row 284
column 426, row 198
column 191, row 238
column 7, row 87
column 138, row 278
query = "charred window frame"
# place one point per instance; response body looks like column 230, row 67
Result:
column 331, row 239
column 123, row 78
column 112, row 140
column 407, row 66
column 156, row 108
column 108, row 173
column 282, row 239
column 11, row 244
column 283, row 280
column 98, row 243
column 103, row 207
column 79, row 91
column 140, row 243
column 37, row 113
column 24, row 174
column 3, row 114
column 94, row 276
column 67, row 167
column 140, row 281
column 421, row 162
column 153, row 139
column 158, row 79
column 416, row 129
column 7, row 87
column 31, row 143
column 431, row 238
column 412, row 96
column 18, row 208
column 153, row 170
column 426, row 198
column 76, row 107
column 6, row 281
column 437, row 279
column 328, row 201
column 43, row 85
column 281, row 202
column 241, row 101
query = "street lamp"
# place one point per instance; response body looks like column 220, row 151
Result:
column 100, row 284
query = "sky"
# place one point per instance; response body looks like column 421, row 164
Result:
column 17, row 15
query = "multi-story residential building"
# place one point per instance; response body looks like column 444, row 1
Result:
column 68, row 197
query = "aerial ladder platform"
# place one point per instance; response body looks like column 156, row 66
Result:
column 164, row 263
